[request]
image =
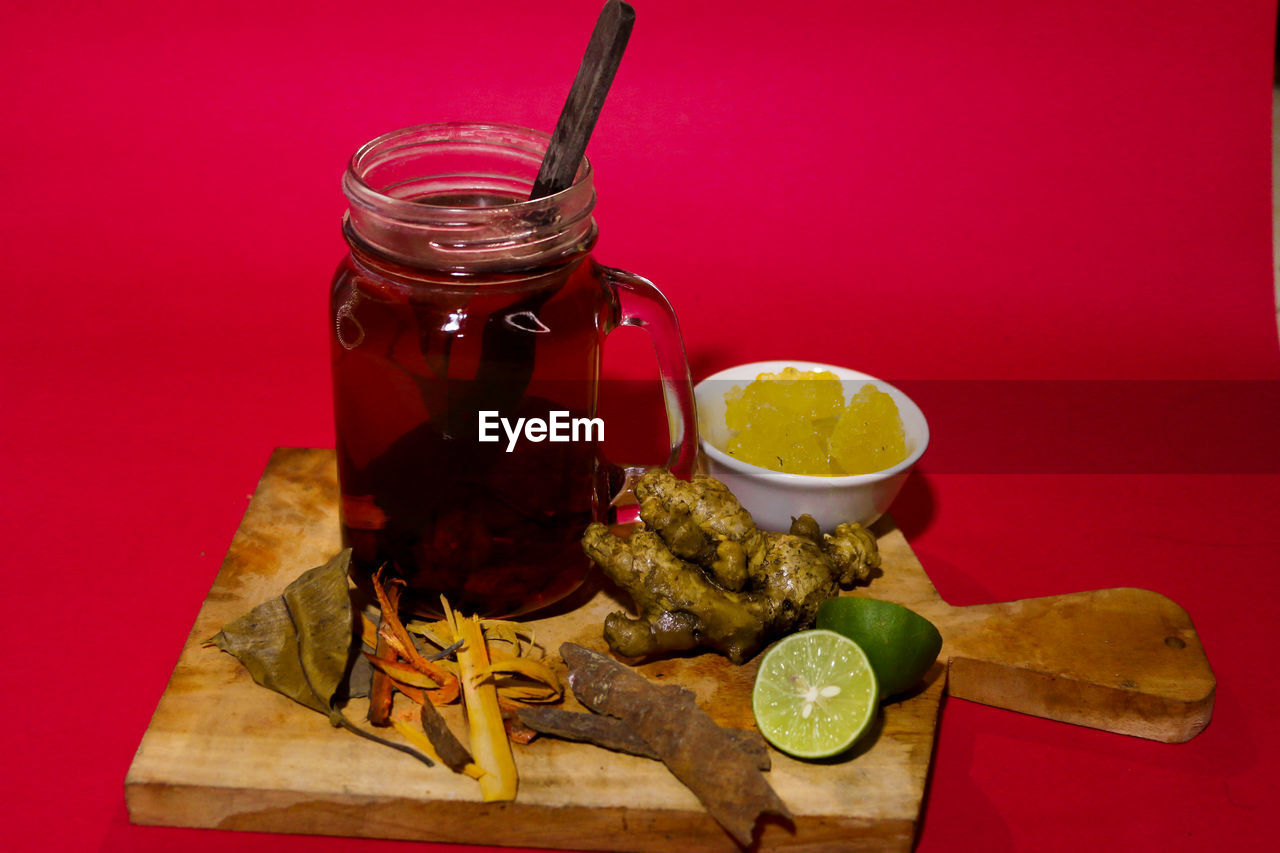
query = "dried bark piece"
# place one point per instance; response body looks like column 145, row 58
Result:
column 612, row 733
column 694, row 748
column 451, row 751
column 416, row 736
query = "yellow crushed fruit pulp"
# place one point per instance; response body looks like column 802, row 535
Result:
column 868, row 436
column 797, row 422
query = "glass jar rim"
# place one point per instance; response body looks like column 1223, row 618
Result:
column 368, row 154
column 390, row 182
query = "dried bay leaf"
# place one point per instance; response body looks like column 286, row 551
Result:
column 266, row 644
column 320, row 609
column 304, row 644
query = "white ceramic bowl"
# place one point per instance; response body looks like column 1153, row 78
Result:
column 774, row 498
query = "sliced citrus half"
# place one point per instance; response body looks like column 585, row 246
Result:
column 900, row 643
column 815, row 694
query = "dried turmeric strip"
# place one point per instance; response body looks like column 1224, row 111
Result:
column 391, row 615
column 417, row 661
column 414, row 694
column 414, row 684
column 516, row 729
column 386, row 636
column 402, row 672
column 489, row 743
column 380, row 686
column 447, row 694
column 399, row 638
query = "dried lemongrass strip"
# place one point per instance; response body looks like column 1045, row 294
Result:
column 497, row 653
column 368, row 632
column 542, row 685
column 527, row 693
column 516, row 634
column 513, row 633
column 435, row 633
column 489, row 743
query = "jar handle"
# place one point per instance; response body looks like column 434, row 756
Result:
column 643, row 305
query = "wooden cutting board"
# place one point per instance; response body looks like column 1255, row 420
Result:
column 222, row 752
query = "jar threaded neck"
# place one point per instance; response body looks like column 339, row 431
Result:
column 454, row 197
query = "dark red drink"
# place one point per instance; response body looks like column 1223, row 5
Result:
column 494, row 530
column 467, row 323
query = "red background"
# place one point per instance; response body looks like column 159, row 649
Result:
column 924, row 190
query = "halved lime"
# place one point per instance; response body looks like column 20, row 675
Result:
column 815, row 694
column 900, row 643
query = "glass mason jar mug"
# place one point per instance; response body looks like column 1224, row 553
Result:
column 462, row 308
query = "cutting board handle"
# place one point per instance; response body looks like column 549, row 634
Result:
column 1124, row 660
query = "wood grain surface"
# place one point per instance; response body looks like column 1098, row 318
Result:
column 1122, row 660
column 222, row 752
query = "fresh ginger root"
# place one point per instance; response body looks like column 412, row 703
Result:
column 702, row 573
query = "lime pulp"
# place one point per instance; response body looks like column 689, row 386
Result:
column 815, row 694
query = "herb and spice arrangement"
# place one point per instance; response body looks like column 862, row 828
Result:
column 223, row 751
column 701, row 572
column 499, row 656
column 468, row 291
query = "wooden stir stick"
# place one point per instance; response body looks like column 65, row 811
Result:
column 508, row 354
column 586, row 99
